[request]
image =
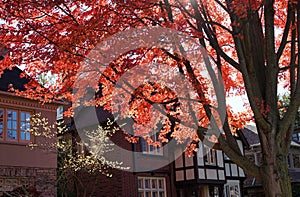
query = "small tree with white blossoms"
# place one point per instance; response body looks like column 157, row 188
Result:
column 70, row 160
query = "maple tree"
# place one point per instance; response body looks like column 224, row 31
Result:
column 253, row 43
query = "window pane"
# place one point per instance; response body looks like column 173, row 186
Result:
column 59, row 113
column 27, row 137
column 14, row 115
column 141, row 194
column 213, row 191
column 25, row 126
column 227, row 191
column 22, row 116
column 22, row 135
column 140, row 184
column 209, row 156
column 143, row 144
column 160, row 184
column 154, row 183
column 149, row 148
column 27, row 116
column 161, row 194
column 296, row 136
column 236, row 189
column 147, row 183
column 232, row 190
column 11, row 124
column 216, row 192
column 12, row 134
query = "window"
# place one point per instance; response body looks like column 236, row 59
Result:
column 213, row 191
column 151, row 187
column 25, row 126
column 209, row 155
column 296, row 160
column 14, row 125
column 296, row 137
column 59, row 113
column 151, row 149
column 232, row 190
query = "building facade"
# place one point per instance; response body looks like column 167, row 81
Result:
column 19, row 165
column 161, row 171
column 210, row 173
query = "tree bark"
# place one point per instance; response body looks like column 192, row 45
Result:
column 284, row 176
column 275, row 177
column 276, row 180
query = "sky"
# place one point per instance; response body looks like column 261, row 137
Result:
column 237, row 102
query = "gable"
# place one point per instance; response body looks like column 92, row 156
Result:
column 12, row 77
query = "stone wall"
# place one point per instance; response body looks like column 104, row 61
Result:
column 43, row 179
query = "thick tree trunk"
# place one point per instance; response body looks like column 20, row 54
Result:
column 275, row 178
column 284, row 176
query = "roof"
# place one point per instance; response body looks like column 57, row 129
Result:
column 251, row 136
column 12, row 77
column 243, row 138
column 295, row 175
column 252, row 182
column 295, row 143
column 250, row 133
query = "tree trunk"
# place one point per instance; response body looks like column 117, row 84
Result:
column 275, row 178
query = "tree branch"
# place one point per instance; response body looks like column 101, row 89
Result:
column 291, row 112
column 285, row 33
